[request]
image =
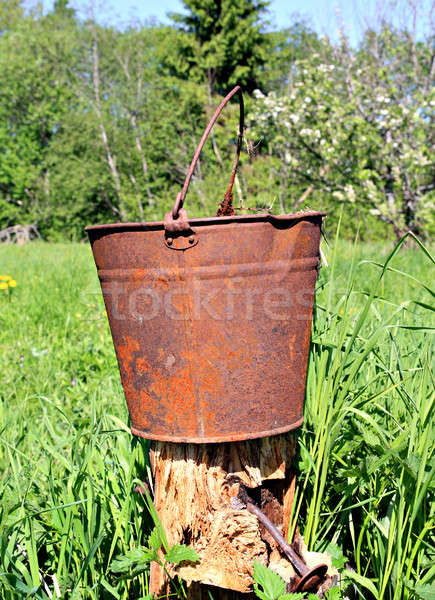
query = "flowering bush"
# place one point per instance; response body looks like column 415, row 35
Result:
column 357, row 124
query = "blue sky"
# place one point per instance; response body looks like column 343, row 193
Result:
column 324, row 15
column 319, row 11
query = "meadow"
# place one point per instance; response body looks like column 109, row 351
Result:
column 69, row 464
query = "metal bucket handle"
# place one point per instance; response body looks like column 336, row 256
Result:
column 171, row 218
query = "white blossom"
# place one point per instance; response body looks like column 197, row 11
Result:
column 350, row 193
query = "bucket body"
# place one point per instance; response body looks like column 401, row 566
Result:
column 211, row 328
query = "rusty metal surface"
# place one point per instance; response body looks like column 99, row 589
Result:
column 212, row 339
column 181, row 196
column 212, row 342
column 309, row 579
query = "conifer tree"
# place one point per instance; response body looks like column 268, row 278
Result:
column 61, row 8
column 223, row 43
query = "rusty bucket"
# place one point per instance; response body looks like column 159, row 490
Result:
column 211, row 317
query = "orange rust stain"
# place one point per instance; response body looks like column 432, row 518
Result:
column 138, row 274
column 146, row 404
column 142, row 365
column 177, row 395
column 125, row 350
column 292, row 340
column 125, row 353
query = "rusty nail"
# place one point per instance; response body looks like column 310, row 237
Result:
column 169, row 241
column 310, row 579
column 191, row 239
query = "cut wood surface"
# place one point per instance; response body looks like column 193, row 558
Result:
column 194, row 484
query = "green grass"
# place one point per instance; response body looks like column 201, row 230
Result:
column 69, row 464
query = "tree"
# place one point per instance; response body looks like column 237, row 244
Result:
column 145, row 122
column 11, row 11
column 287, row 45
column 62, row 9
column 223, row 43
column 101, row 134
column 358, row 125
column 32, row 109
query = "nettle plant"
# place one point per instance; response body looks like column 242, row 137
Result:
column 137, row 561
column 359, row 125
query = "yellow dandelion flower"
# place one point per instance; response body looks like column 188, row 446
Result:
column 3, row 285
column 77, row 315
column 12, row 283
column 5, row 278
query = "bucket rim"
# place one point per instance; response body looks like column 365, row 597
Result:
column 201, row 221
column 216, row 439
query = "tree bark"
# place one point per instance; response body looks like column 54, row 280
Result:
column 194, row 486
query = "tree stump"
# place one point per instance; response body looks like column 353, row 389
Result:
column 194, row 485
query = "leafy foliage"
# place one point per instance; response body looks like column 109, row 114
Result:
column 11, row 12
column 273, row 587
column 106, row 129
column 135, row 561
column 357, row 124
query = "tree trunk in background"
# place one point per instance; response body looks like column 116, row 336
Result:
column 194, row 484
column 111, row 161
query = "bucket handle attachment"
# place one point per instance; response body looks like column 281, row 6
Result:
column 176, row 221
